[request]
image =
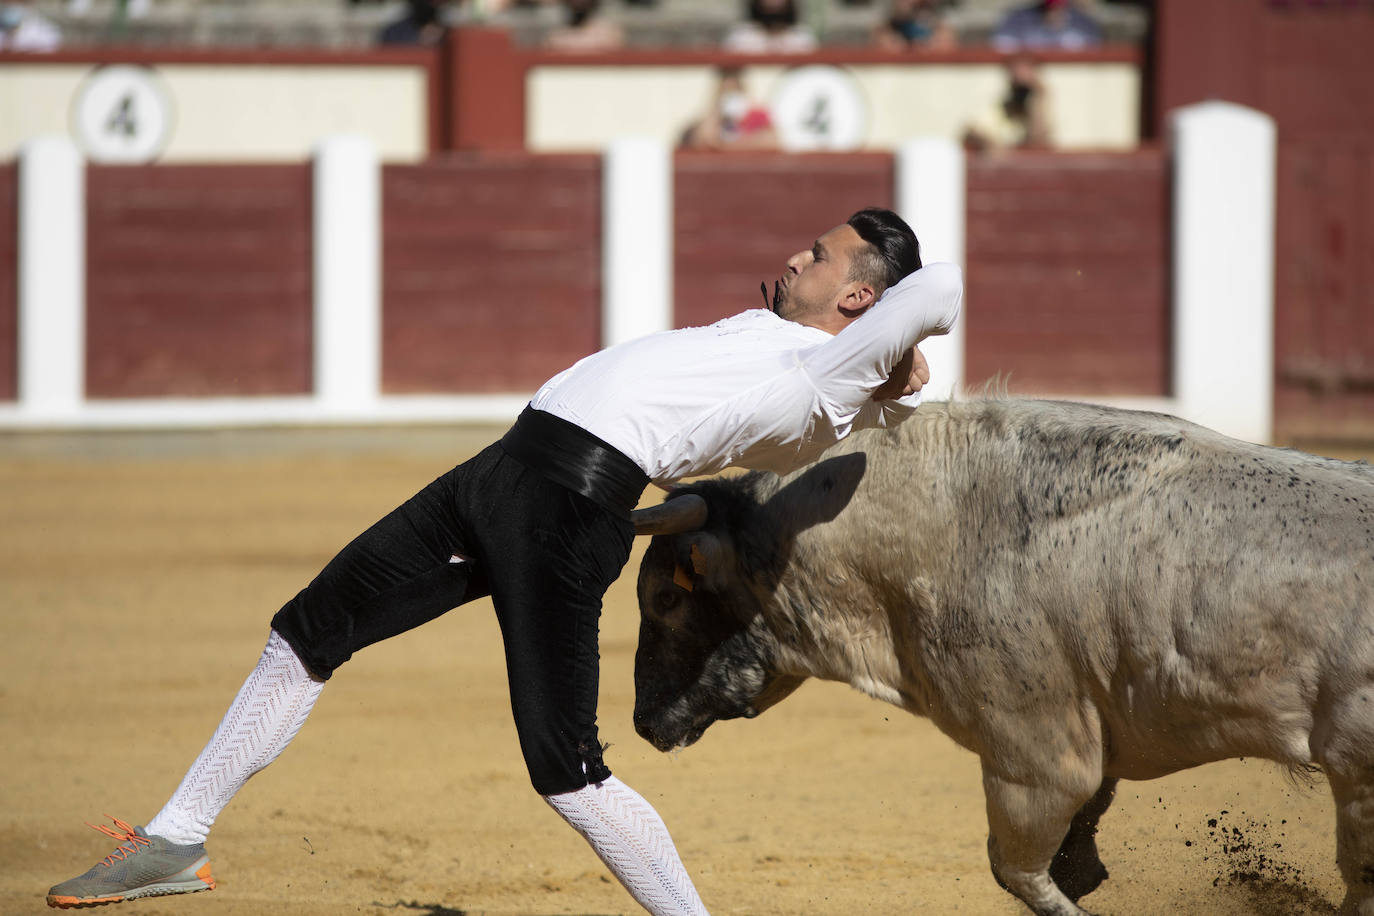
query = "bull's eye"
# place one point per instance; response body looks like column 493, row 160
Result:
column 667, row 599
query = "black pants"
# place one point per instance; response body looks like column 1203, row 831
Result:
column 545, row 554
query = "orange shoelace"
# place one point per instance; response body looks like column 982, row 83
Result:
column 125, row 834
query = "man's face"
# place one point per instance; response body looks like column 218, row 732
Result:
column 818, row 278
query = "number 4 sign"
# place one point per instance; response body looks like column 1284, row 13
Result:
column 122, row 114
column 819, row 107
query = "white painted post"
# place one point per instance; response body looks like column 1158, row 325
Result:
column 1224, row 189
column 52, row 278
column 637, row 228
column 347, row 275
column 931, row 198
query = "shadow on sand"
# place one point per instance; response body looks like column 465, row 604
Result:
column 436, row 909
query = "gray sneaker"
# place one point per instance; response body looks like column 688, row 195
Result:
column 141, row 866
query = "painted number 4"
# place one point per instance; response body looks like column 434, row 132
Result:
column 817, row 118
column 819, row 107
column 122, row 114
column 122, row 120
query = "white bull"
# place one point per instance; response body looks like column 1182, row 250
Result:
column 1076, row 594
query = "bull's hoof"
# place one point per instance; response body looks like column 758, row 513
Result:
column 1077, row 878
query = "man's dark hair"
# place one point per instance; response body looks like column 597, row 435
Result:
column 893, row 250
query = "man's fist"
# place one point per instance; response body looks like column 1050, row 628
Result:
column 907, row 377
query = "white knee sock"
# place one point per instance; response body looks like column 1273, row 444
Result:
column 268, row 711
column 630, row 838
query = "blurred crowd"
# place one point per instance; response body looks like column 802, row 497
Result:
column 798, row 26
column 745, row 26
column 23, row 28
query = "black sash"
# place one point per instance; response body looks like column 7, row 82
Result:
column 570, row 456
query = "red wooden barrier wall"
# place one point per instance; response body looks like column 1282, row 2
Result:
column 9, row 270
column 199, row 277
column 1307, row 65
column 1324, row 339
column 739, row 217
column 1068, row 278
column 198, row 280
column 491, row 271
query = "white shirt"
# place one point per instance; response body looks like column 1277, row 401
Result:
column 753, row 390
column 752, row 38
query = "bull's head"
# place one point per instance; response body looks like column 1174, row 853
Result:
column 705, row 650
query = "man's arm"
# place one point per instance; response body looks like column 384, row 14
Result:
column 908, row 377
column 849, row 368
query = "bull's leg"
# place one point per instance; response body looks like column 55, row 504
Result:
column 1354, row 794
column 1077, row 868
column 1343, row 743
column 1026, row 825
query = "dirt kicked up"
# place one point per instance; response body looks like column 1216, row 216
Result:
column 137, row 576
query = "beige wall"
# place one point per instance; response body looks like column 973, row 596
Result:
column 1096, row 105
column 240, row 112
column 248, row 112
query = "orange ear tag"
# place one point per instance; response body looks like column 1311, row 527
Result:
column 681, row 579
column 698, row 561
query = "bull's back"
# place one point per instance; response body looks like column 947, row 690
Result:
column 1258, row 606
column 1203, row 592
column 1230, row 583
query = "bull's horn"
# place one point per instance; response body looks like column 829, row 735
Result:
column 672, row 516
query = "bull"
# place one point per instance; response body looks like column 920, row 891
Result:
column 1077, row 594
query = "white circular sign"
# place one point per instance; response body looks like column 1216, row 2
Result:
column 122, row 114
column 819, row 107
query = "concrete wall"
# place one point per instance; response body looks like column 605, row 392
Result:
column 225, row 111
column 582, row 107
column 480, row 91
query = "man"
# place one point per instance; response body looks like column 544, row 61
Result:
column 1047, row 25
column 1021, row 118
column 540, row 521
column 22, row 28
column 733, row 121
column 421, row 24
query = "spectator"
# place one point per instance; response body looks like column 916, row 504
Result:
column 422, row 24
column 772, row 27
column 733, row 121
column 1047, row 24
column 23, row 29
column 586, row 29
column 914, row 22
column 1020, row 119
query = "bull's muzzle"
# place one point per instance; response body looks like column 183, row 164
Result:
column 665, row 734
column 664, row 738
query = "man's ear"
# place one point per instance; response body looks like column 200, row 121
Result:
column 858, row 300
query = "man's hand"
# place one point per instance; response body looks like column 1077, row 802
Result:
column 908, row 377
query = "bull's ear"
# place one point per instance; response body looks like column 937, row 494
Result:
column 672, row 516
column 705, row 559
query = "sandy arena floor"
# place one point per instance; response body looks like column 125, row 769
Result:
column 137, row 576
